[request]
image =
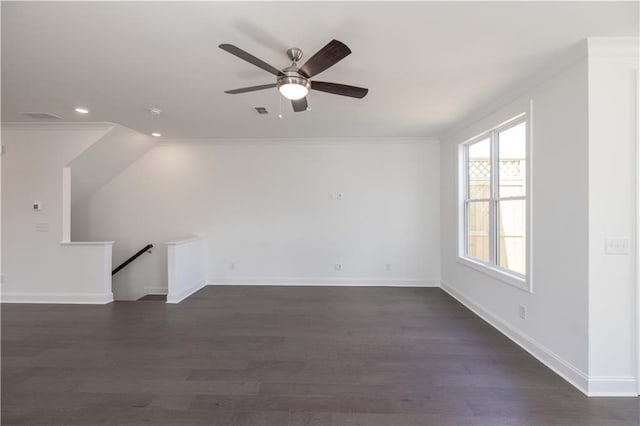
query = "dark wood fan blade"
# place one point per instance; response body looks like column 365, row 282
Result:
column 250, row 58
column 299, row 105
column 328, row 56
column 250, row 89
column 340, row 89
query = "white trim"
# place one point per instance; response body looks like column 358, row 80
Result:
column 495, row 272
column 505, row 125
column 86, row 243
column 299, row 141
column 507, row 119
column 331, row 281
column 65, row 298
column 560, row 366
column 529, row 191
column 66, row 204
column 592, row 386
column 612, row 386
column 186, row 240
column 179, row 297
column 637, row 243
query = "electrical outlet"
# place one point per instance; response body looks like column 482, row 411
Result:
column 338, row 266
column 616, row 246
column 522, row 312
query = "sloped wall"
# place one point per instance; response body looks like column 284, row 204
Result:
column 98, row 164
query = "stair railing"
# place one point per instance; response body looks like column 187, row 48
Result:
column 146, row 248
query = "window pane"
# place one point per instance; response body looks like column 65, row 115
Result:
column 512, row 223
column 479, row 169
column 478, row 228
column 512, row 155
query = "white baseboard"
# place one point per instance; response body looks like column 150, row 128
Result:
column 556, row 363
column 155, row 290
column 64, row 298
column 183, row 294
column 593, row 386
column 331, row 281
column 621, row 386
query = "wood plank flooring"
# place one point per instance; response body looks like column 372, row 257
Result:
column 281, row 356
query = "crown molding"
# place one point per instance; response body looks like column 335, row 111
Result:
column 57, row 126
column 298, row 141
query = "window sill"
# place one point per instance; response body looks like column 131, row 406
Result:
column 497, row 273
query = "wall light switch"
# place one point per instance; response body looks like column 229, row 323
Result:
column 522, row 312
column 616, row 246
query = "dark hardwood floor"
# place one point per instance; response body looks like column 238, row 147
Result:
column 281, row 356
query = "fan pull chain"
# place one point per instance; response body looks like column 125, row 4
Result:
column 280, row 103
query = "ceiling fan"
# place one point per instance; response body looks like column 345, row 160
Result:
column 294, row 82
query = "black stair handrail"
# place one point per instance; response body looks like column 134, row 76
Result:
column 148, row 248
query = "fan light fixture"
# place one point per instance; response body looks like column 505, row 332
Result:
column 293, row 82
column 293, row 87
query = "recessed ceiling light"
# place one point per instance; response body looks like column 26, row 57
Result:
column 156, row 134
column 82, row 110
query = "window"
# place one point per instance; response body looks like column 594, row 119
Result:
column 494, row 196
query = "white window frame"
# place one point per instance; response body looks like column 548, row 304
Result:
column 492, row 268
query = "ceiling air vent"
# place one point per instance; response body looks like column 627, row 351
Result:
column 261, row 110
column 41, row 115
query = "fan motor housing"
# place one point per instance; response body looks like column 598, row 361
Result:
column 295, row 54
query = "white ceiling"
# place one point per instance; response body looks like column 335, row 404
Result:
column 426, row 65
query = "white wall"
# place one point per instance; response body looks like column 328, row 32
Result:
column 271, row 208
column 187, row 267
column 582, row 318
column 613, row 67
column 36, row 267
column 556, row 328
